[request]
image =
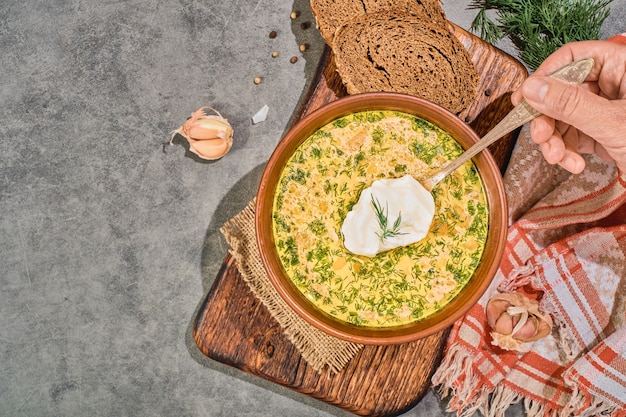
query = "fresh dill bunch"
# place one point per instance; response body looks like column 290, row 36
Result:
column 539, row 27
column 383, row 220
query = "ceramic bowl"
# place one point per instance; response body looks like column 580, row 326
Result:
column 473, row 290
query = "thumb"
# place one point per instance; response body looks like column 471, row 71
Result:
column 568, row 103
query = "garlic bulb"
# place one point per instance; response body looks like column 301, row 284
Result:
column 210, row 136
column 515, row 320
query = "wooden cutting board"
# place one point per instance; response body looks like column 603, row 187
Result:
column 233, row 327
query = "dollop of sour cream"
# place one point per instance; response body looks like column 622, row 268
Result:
column 387, row 200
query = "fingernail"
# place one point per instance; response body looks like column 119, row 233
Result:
column 572, row 164
column 535, row 89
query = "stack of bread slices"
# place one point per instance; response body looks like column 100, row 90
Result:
column 402, row 46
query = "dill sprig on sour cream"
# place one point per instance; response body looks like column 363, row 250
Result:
column 383, row 220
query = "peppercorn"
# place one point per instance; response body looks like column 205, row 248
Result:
column 293, row 59
column 273, row 34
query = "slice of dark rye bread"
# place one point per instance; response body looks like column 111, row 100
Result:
column 393, row 51
column 330, row 14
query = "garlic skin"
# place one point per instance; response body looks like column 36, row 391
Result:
column 210, row 136
column 516, row 320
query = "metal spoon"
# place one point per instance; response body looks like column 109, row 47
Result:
column 574, row 73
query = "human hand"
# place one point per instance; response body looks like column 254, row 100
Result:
column 585, row 119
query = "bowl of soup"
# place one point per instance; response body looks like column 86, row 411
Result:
column 319, row 173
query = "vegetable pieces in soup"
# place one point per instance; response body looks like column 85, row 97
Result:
column 321, row 183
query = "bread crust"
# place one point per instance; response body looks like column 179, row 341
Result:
column 331, row 14
column 394, row 51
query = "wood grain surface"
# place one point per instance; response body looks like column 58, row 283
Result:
column 233, row 327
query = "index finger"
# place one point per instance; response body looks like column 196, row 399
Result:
column 600, row 51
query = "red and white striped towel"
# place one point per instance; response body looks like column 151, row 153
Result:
column 567, row 247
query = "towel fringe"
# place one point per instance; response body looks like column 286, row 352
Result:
column 585, row 404
column 455, row 379
column 499, row 401
column 536, row 408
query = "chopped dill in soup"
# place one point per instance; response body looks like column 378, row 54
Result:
column 323, row 180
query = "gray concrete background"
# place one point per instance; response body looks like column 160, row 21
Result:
column 108, row 243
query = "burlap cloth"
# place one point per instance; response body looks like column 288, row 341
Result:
column 320, row 350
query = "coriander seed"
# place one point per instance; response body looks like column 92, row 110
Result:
column 294, row 15
column 303, row 47
column 275, row 54
column 258, row 80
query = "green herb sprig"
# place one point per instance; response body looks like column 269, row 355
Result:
column 539, row 27
column 383, row 221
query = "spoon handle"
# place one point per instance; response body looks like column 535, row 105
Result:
column 574, row 73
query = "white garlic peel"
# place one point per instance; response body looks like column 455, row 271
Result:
column 397, row 197
column 261, row 115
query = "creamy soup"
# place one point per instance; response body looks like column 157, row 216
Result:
column 323, row 180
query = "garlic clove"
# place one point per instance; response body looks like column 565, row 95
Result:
column 209, row 149
column 524, row 328
column 543, row 328
column 495, row 307
column 504, row 323
column 208, row 128
column 515, row 320
column 210, row 136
